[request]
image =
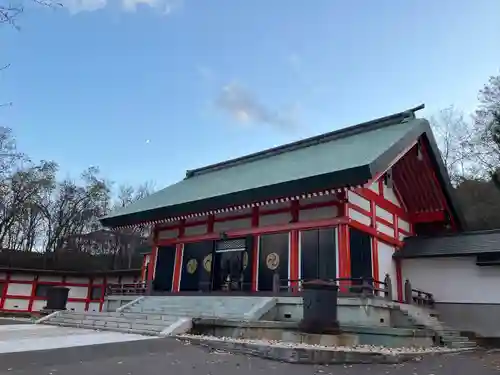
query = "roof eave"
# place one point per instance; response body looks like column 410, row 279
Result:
column 350, row 177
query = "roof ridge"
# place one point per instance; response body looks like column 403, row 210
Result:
column 378, row 123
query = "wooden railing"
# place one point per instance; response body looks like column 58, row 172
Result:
column 356, row 286
column 367, row 286
column 417, row 296
column 129, row 289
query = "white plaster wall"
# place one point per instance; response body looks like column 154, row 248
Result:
column 385, row 229
column 94, row 307
column 16, row 304
column 391, row 196
column 354, row 198
column 403, row 225
column 75, row 306
column 359, row 217
column 386, row 265
column 78, row 292
column 456, row 280
column 384, row 214
column 283, row 218
column 225, row 226
column 374, row 187
column 19, row 289
column 318, row 213
column 38, row 305
column 196, row 230
column 168, row 233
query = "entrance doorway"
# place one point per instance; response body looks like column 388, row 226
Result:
column 361, row 255
column 228, row 273
column 230, row 267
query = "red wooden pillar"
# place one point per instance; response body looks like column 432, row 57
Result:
column 152, row 260
column 103, row 292
column 294, row 248
column 374, row 241
column 179, row 252
column 89, row 293
column 33, row 293
column 255, row 250
column 3, row 296
column 344, row 256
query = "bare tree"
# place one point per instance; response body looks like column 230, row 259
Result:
column 72, row 208
column 487, row 129
column 454, row 135
column 10, row 11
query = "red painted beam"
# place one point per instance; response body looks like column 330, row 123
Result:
column 382, row 202
column 262, row 212
column 258, row 231
column 428, row 217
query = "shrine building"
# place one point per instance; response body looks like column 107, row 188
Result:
column 334, row 206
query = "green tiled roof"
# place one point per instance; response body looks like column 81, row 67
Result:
column 357, row 148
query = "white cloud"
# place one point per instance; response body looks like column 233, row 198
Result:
column 77, row 6
column 245, row 107
column 163, row 6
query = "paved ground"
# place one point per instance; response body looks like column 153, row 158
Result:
column 168, row 356
column 27, row 337
column 10, row 321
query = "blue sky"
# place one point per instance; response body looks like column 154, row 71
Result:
column 146, row 89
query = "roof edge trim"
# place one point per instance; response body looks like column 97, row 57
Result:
column 327, row 137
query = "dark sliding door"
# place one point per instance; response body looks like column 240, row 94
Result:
column 197, row 266
column 164, row 269
column 232, row 268
column 318, row 254
column 273, row 257
column 361, row 254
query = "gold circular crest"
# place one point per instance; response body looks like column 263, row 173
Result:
column 273, row 261
column 207, row 263
column 191, row 265
column 245, row 260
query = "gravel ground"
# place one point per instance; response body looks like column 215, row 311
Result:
column 168, row 356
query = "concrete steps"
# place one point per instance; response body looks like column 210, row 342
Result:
column 145, row 324
column 426, row 318
column 234, row 308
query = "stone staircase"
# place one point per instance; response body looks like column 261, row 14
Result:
column 232, row 308
column 426, row 318
column 143, row 324
column 165, row 316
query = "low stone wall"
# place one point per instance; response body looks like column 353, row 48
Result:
column 354, row 311
column 289, row 332
column 309, row 354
